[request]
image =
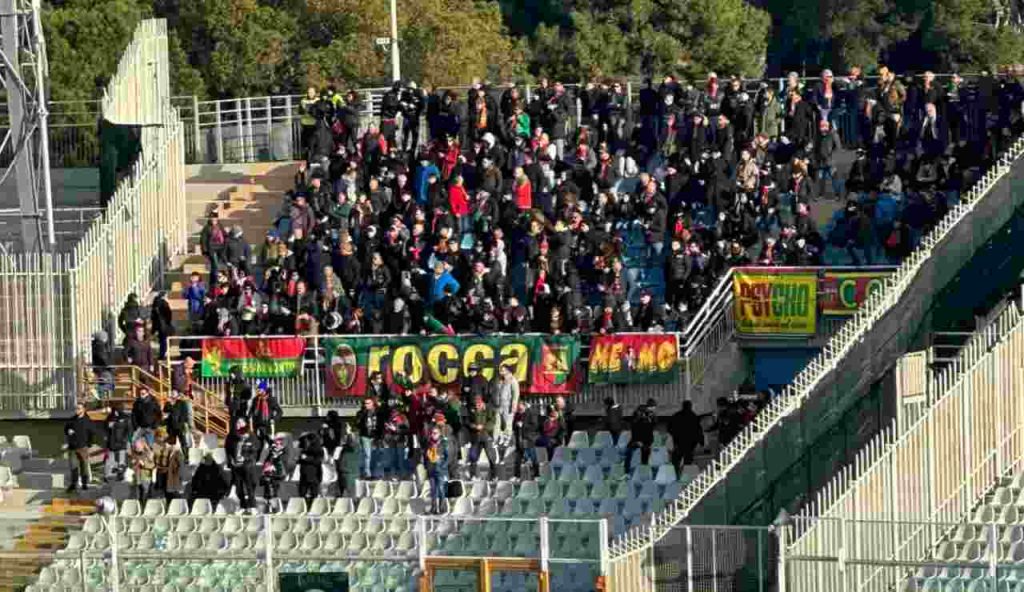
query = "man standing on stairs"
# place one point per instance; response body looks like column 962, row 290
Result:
column 78, row 436
column 178, row 412
column 213, row 241
column 161, row 318
column 145, row 415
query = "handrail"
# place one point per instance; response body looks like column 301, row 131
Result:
column 206, row 404
column 804, row 384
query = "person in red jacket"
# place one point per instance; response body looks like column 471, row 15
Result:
column 524, row 190
column 458, row 201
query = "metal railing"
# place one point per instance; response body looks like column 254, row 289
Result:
column 54, row 303
column 936, row 470
column 804, row 385
column 266, row 128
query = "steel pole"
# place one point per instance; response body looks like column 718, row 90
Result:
column 396, row 72
column 44, row 134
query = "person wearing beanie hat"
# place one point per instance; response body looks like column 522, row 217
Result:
column 264, row 412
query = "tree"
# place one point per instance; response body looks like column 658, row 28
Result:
column 444, row 42
column 241, row 48
column 84, row 41
column 729, row 36
column 627, row 37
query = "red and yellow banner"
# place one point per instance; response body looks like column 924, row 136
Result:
column 258, row 357
column 542, row 364
column 633, row 359
column 775, row 303
column 842, row 292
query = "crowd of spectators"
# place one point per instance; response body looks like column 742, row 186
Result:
column 509, row 219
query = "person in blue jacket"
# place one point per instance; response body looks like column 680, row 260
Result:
column 424, row 171
column 442, row 278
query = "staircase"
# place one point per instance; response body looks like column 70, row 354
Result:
column 250, row 196
column 208, row 411
column 31, row 534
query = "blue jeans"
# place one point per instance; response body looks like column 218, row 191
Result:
column 396, row 456
column 656, row 249
column 438, row 484
column 366, row 464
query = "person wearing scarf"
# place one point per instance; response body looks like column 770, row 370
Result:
column 435, row 460
column 264, row 412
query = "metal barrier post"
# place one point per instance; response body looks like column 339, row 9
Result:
column 545, row 551
column 270, row 131
column 115, row 568
column 197, row 143
column 421, row 543
column 82, row 572
column 269, row 553
column 219, row 136
column 654, row 539
column 602, row 529
column 240, row 143
column 689, row 558
column 250, row 146
column 781, row 573
column 320, row 386
column 993, row 558
column 291, row 125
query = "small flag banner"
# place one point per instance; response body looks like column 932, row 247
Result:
column 258, row 357
column 633, row 359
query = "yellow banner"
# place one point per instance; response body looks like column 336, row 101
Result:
column 781, row 303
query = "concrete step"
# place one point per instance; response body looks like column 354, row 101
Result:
column 42, row 480
column 43, row 465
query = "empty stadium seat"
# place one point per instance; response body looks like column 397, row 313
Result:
column 579, row 439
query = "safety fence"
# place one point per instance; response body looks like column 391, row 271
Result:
column 934, row 472
column 950, row 243
column 266, row 128
column 52, row 304
column 373, row 552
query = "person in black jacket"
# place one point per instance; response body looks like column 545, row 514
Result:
column 264, row 412
column 237, row 395
column 178, row 413
column 146, row 415
column 613, row 421
column 208, row 482
column 102, row 364
column 243, row 452
column 525, row 432
column 390, row 105
column 642, row 436
column 368, row 425
column 311, row 470
column 687, row 433
column 79, row 432
column 160, row 318
column 119, row 432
